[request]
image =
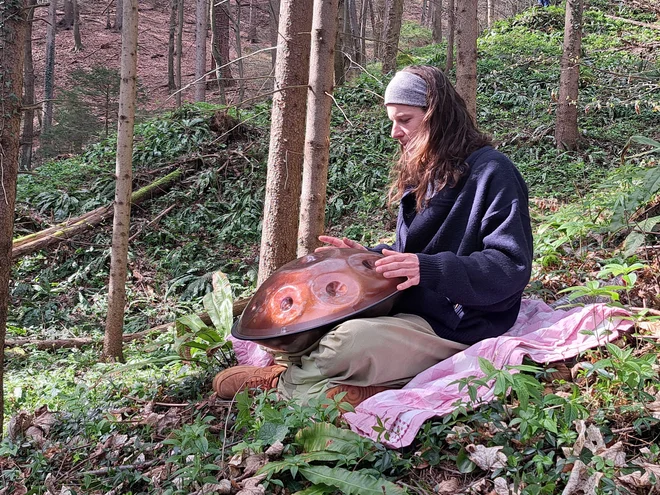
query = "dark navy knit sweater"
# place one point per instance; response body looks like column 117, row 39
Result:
column 474, row 244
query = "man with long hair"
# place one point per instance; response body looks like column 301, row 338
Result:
column 463, row 245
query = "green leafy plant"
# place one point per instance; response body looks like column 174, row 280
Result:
column 195, row 336
column 324, row 442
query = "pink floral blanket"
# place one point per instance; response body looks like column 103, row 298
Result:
column 541, row 333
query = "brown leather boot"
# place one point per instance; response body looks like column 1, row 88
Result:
column 354, row 394
column 229, row 382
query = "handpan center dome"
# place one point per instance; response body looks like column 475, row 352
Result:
column 305, row 298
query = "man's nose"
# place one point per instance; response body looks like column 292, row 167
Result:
column 397, row 132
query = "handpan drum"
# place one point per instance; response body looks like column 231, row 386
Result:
column 307, row 297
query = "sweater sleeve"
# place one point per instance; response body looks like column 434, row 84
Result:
column 493, row 277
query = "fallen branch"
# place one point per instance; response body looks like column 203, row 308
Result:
column 49, row 345
column 635, row 23
column 39, row 240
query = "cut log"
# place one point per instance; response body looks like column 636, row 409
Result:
column 49, row 345
column 29, row 244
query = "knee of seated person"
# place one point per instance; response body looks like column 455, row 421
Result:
column 349, row 337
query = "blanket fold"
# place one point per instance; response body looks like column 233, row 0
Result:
column 540, row 333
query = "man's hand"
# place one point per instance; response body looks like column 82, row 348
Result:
column 336, row 242
column 396, row 264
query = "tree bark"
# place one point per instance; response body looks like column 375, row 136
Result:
column 274, row 11
column 179, row 53
column 77, row 39
column 13, row 33
column 49, row 77
column 466, row 54
column 220, row 46
column 451, row 29
column 392, row 32
column 239, row 53
column 201, row 29
column 112, row 343
column 363, row 33
column 119, row 13
column 287, row 138
column 566, row 128
column 436, row 20
column 317, row 132
column 378, row 25
column 67, row 20
column 27, row 134
column 490, row 12
column 171, row 83
column 339, row 62
column 252, row 24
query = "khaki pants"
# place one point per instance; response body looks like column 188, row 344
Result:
column 386, row 350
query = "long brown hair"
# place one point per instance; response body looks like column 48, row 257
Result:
column 435, row 158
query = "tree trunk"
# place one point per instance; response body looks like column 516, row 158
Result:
column 354, row 31
column 436, row 21
column 466, row 54
column 220, row 45
column 201, row 29
column 13, row 34
column 274, row 10
column 27, row 134
column 67, row 20
column 112, row 343
column 424, row 9
column 49, row 77
column 287, row 138
column 566, row 128
column 451, row 28
column 179, row 52
column 392, row 32
column 119, row 13
column 339, row 62
column 378, row 24
column 490, row 13
column 239, row 53
column 171, row 83
column 363, row 33
column 252, row 23
column 317, row 131
column 77, row 39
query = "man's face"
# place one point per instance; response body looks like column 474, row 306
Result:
column 406, row 121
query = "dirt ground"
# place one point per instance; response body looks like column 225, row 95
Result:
column 102, row 46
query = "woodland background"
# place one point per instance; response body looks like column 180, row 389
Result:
column 200, row 163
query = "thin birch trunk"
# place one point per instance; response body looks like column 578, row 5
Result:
column 317, row 132
column 112, row 342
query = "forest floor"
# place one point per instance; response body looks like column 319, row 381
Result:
column 152, row 426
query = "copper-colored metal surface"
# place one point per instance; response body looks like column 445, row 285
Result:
column 305, row 298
